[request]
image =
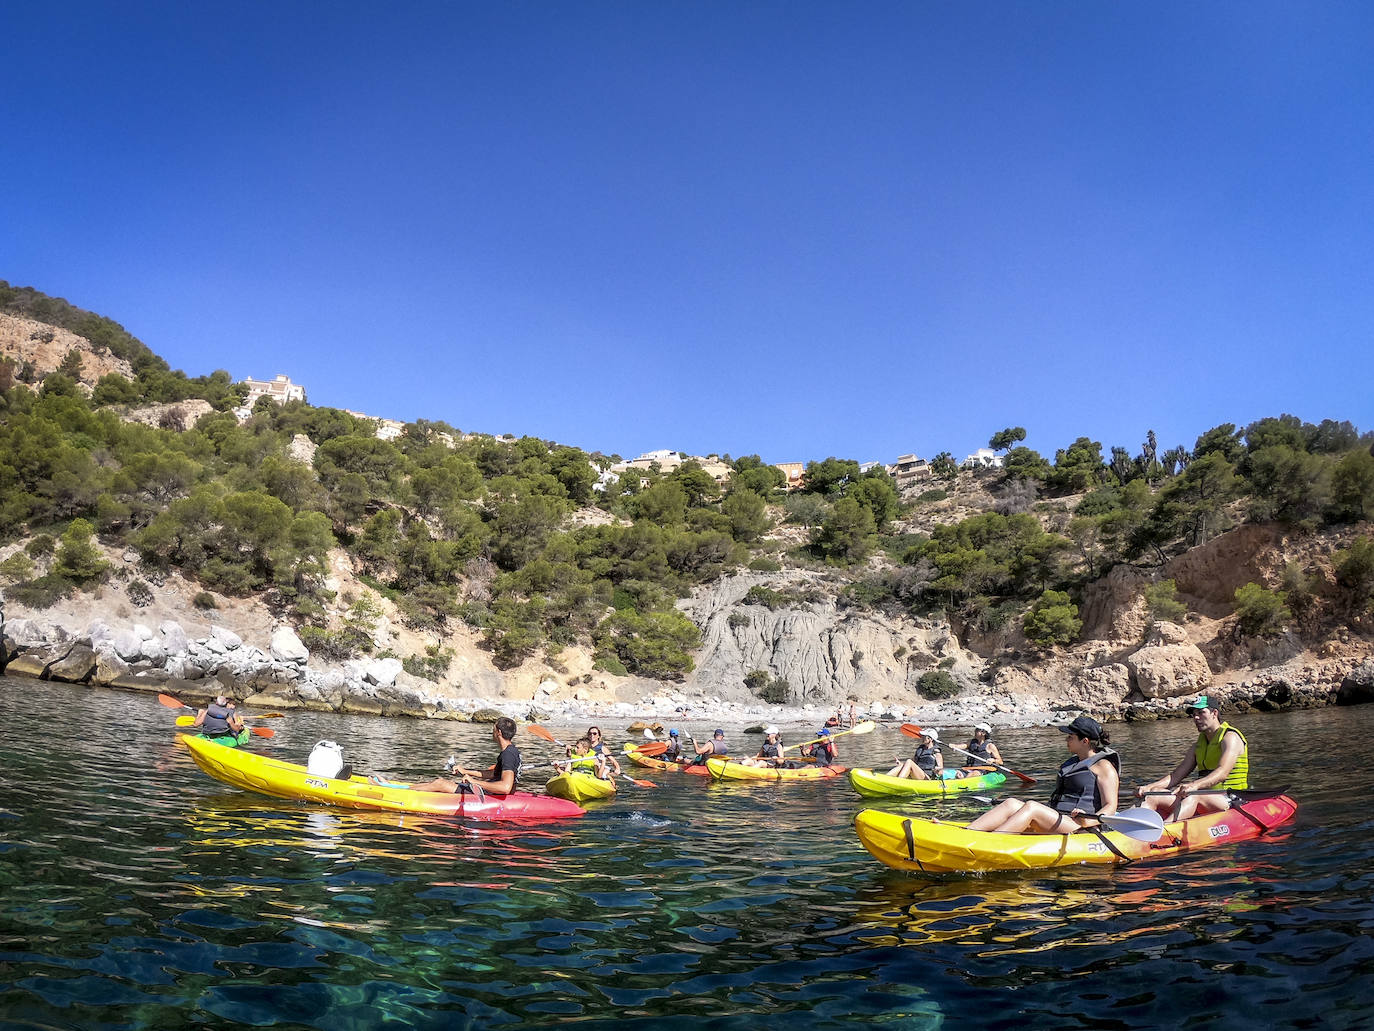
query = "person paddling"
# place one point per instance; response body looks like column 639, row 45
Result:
column 770, row 752
column 926, row 763
column 219, row 720
column 984, row 752
column 706, row 749
column 673, row 753
column 1086, row 787
column 504, row 774
column 824, row 750
column 1221, row 758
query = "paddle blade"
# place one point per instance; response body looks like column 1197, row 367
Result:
column 186, row 721
column 649, row 748
column 639, row 782
column 910, row 730
column 263, row 731
column 265, row 716
column 538, row 731
column 866, row 727
column 171, row 702
column 1139, row 823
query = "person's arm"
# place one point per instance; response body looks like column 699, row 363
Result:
column 994, row 754
column 235, row 724
column 200, row 719
column 1175, row 777
column 939, row 760
column 1230, row 751
column 1108, row 784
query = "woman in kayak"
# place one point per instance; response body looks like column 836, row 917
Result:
column 606, row 763
column 926, row 763
column 218, row 719
column 1086, row 788
column 504, row 773
column 984, row 752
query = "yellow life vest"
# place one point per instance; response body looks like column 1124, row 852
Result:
column 1207, row 754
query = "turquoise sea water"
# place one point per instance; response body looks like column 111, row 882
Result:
column 136, row 892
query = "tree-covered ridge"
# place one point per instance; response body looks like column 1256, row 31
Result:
column 515, row 540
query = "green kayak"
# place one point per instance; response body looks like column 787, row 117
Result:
column 877, row 785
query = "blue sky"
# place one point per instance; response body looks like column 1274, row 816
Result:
column 790, row 229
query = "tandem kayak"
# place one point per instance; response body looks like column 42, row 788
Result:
column 924, row 846
column 650, row 762
column 724, row 769
column 579, row 787
column 279, row 779
column 877, row 785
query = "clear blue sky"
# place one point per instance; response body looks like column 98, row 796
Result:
column 791, row 229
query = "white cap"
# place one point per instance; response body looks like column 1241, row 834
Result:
column 771, row 729
column 931, row 733
column 983, row 727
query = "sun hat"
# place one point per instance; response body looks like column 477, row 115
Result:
column 673, row 732
column 1084, row 726
column 771, row 729
column 983, row 727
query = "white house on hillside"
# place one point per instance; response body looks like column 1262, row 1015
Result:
column 983, row 458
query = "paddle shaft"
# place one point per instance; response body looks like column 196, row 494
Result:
column 866, row 727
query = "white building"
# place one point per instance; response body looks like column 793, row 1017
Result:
column 983, row 458
column 280, row 389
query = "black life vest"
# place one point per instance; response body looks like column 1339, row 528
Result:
column 1077, row 787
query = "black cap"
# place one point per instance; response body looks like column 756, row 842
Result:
column 1084, row 726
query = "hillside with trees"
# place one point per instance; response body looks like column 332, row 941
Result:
column 512, row 543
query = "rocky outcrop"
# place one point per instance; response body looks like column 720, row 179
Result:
column 1358, row 686
column 1113, row 606
column 825, row 653
column 1168, row 664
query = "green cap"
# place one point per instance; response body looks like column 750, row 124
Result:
column 1203, row 702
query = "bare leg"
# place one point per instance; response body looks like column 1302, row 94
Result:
column 997, row 815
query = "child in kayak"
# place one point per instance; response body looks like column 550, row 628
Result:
column 926, row 763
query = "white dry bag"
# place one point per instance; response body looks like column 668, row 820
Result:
column 326, row 760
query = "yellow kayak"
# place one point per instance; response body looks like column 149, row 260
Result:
column 727, row 769
column 926, row 846
column 580, row 787
column 279, row 779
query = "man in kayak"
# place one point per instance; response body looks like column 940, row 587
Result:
column 824, row 750
column 218, row 719
column 1221, row 758
column 504, row 774
column 1086, row 788
column 706, row 749
column 984, row 751
column 926, row 763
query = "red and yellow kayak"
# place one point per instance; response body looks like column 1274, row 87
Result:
column 727, row 769
column 650, row 762
column 280, row 779
column 925, row 846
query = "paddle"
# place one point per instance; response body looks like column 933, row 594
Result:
column 190, row 721
column 176, row 703
column 1139, row 823
column 866, row 727
column 911, row 730
column 541, row 732
column 649, row 748
column 1244, row 794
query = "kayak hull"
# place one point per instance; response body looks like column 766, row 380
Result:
column 924, row 846
column 725, row 769
column 580, row 787
column 879, row 785
column 280, row 779
column 650, row 762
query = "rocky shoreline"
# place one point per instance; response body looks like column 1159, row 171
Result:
column 279, row 676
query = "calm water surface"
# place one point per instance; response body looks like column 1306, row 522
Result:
column 136, row 892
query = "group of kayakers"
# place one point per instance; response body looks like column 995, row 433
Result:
column 1087, row 784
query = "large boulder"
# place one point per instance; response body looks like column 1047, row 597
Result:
column 109, row 667
column 32, row 663
column 1099, row 688
column 382, row 672
column 225, row 638
column 1166, row 670
column 1357, row 688
column 76, row 667
column 127, row 645
column 287, row 647
column 174, row 638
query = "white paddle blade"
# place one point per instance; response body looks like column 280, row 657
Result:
column 1139, row 823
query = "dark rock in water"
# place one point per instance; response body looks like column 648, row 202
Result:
column 1276, row 698
column 757, row 728
column 486, row 716
column 1135, row 714
column 135, row 682
column 1358, row 686
column 76, row 667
